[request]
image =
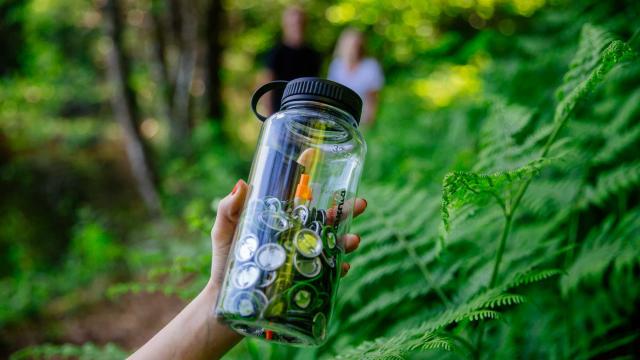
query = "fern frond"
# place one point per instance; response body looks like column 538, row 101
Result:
column 593, row 41
column 625, row 114
column 533, row 276
column 605, row 246
column 618, row 144
column 463, row 188
column 616, row 52
column 400, row 294
column 505, row 300
column 498, row 148
column 616, row 181
column 435, row 341
column 375, row 272
column 547, row 197
column 412, row 337
column 479, row 315
column 374, row 255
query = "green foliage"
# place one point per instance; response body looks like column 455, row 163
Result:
column 609, row 245
column 87, row 351
column 92, row 254
column 392, row 298
column 469, row 188
column 534, row 175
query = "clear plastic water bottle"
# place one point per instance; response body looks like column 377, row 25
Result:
column 285, row 261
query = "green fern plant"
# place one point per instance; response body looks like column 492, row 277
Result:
column 466, row 196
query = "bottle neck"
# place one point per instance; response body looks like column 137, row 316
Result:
column 326, row 108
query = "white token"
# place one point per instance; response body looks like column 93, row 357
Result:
column 245, row 276
column 274, row 220
column 248, row 303
column 301, row 213
column 246, row 247
column 273, row 204
column 270, row 256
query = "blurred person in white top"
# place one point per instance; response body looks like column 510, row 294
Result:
column 363, row 74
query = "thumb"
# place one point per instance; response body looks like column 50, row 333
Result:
column 228, row 214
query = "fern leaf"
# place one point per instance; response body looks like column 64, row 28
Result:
column 435, row 341
column 403, row 293
column 479, row 315
column 463, row 188
column 616, row 181
column 413, row 337
column 377, row 272
column 497, row 136
column 618, row 144
column 505, row 300
column 605, row 246
column 533, row 276
column 593, row 41
column 616, row 52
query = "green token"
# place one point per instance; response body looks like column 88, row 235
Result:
column 329, row 237
column 302, row 299
column 276, row 307
column 307, row 267
column 308, row 243
column 319, row 326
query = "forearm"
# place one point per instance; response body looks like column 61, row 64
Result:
column 194, row 333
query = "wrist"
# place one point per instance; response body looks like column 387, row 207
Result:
column 207, row 299
column 218, row 332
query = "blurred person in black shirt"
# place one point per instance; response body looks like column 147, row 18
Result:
column 291, row 57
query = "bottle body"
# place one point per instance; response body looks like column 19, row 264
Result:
column 284, row 266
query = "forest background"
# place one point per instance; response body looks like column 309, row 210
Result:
column 502, row 173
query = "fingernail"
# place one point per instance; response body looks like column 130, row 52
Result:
column 235, row 188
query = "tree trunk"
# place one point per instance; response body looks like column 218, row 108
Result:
column 125, row 107
column 184, row 74
column 159, row 65
column 215, row 25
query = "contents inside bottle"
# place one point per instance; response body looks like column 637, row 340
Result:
column 287, row 255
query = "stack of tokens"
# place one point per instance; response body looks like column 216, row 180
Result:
column 271, row 225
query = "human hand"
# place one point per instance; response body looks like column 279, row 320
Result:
column 227, row 217
column 195, row 333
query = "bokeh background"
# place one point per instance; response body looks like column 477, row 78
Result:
column 98, row 249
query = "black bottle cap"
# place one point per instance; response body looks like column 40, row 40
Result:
column 324, row 91
column 311, row 89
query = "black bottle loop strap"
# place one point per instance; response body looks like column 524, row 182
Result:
column 277, row 84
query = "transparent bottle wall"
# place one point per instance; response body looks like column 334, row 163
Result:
column 285, row 262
